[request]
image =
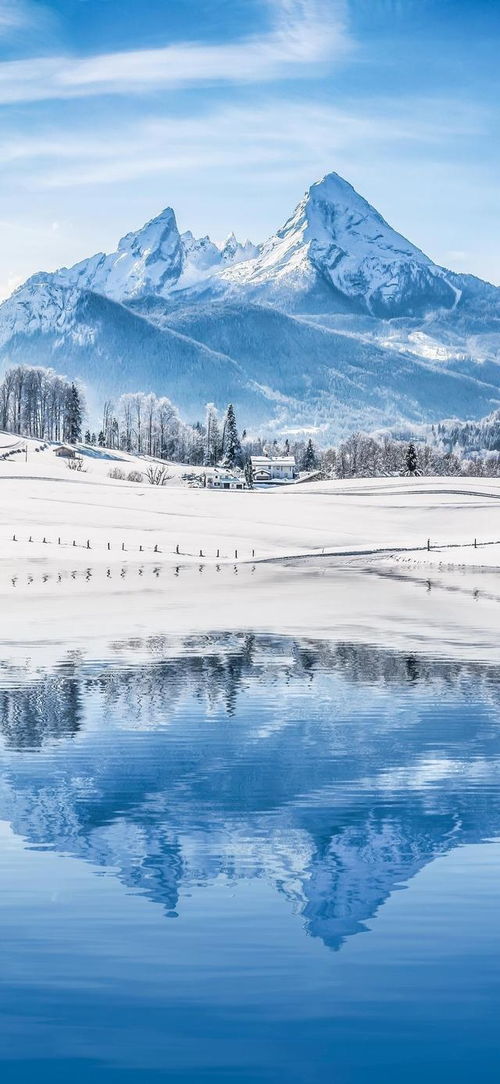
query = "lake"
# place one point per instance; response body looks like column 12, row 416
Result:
column 253, row 859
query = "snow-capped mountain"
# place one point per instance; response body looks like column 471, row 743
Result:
column 336, row 321
column 155, row 260
column 336, row 240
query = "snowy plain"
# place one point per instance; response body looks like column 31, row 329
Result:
column 345, row 559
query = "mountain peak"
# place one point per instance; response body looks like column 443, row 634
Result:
column 158, row 232
column 336, row 212
column 333, row 183
column 336, row 250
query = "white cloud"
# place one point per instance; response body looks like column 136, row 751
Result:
column 14, row 16
column 274, row 135
column 304, row 33
column 19, row 16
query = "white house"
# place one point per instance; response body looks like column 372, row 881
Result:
column 220, row 478
column 279, row 468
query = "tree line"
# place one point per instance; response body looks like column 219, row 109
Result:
column 39, row 403
column 147, row 424
column 365, row 456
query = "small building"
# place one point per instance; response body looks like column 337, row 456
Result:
column 65, row 451
column 220, row 478
column 279, row 468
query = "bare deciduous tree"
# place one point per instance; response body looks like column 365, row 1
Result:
column 157, row 475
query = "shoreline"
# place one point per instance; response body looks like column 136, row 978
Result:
column 440, row 612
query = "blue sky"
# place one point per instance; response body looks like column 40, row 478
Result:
column 228, row 110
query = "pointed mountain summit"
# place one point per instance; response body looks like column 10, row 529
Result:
column 336, row 251
column 233, row 251
column 147, row 261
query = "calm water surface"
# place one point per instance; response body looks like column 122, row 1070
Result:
column 248, row 859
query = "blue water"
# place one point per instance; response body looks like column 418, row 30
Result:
column 250, row 859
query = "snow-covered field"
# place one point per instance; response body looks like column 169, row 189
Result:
column 41, row 498
column 364, row 569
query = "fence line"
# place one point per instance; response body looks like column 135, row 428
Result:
column 122, row 548
column 155, row 549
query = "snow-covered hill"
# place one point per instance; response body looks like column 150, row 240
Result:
column 336, row 321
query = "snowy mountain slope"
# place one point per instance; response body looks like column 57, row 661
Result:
column 341, row 374
column 282, row 372
column 279, row 370
column 336, row 320
column 114, row 350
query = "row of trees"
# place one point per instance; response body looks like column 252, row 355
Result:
column 39, row 403
column 364, row 456
column 147, row 424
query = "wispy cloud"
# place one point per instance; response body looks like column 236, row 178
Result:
column 18, row 17
column 282, row 134
column 303, row 34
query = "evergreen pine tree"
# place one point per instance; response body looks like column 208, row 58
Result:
column 87, row 436
column 101, row 439
column 309, row 461
column 73, row 416
column 411, row 459
column 231, row 441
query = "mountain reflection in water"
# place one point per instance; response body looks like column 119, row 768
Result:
column 334, row 772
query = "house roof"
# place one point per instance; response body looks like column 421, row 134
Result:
column 273, row 461
column 221, row 472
